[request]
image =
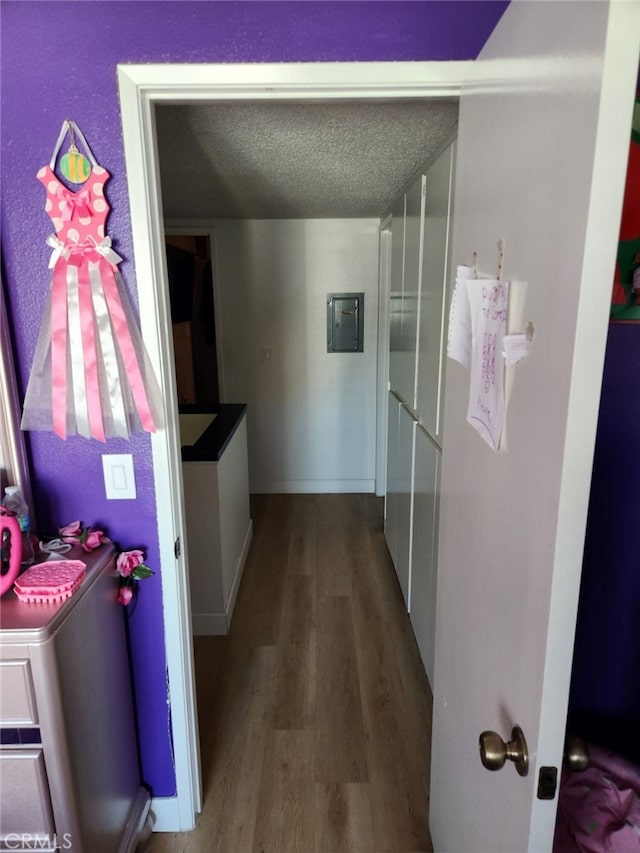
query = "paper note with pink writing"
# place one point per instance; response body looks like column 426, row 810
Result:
column 459, row 335
column 488, row 303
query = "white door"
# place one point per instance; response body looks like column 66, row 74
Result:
column 541, row 162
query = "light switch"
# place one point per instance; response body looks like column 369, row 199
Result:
column 119, row 477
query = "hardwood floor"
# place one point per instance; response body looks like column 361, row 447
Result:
column 315, row 712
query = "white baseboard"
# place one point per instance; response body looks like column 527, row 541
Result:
column 209, row 624
column 237, row 577
column 165, row 813
column 137, row 822
column 312, row 487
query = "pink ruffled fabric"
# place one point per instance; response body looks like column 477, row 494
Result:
column 599, row 809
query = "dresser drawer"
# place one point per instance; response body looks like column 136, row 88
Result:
column 26, row 805
column 17, row 699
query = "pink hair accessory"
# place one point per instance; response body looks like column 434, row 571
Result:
column 50, row 582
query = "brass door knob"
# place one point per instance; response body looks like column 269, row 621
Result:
column 494, row 751
column 576, row 754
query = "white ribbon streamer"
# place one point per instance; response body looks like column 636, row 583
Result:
column 66, row 127
column 109, row 357
column 78, row 381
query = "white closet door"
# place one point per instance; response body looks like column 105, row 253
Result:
column 406, row 438
column 395, row 306
column 432, row 292
column 393, row 486
column 424, row 547
column 406, row 380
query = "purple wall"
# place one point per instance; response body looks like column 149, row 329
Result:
column 605, row 689
column 59, row 61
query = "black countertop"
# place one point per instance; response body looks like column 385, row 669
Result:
column 213, row 441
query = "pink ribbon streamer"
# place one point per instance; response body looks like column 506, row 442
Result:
column 79, row 256
column 129, row 357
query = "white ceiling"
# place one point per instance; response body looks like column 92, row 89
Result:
column 294, row 161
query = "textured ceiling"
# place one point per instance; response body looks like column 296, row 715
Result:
column 277, row 161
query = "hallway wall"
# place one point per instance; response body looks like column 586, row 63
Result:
column 311, row 414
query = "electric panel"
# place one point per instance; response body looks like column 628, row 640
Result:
column 345, row 322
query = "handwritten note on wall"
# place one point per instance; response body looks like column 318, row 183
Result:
column 488, row 305
column 482, row 315
column 459, row 337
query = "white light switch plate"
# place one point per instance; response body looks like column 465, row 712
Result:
column 119, row 477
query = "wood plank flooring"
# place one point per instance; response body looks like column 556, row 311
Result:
column 315, row 713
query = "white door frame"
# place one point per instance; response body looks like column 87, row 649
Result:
column 140, row 88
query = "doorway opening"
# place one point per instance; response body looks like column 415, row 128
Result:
column 272, row 275
column 142, row 88
column 193, row 317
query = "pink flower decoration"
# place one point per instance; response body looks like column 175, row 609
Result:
column 129, row 560
column 93, row 540
column 125, row 595
column 71, row 533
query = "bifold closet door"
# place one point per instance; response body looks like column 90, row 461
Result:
column 437, row 220
column 405, row 380
column 393, row 475
column 395, row 294
column 424, row 547
column 406, row 437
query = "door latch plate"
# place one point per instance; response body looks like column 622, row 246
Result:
column 547, row 783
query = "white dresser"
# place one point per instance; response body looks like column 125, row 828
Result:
column 69, row 771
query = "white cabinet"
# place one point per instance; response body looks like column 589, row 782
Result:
column 420, row 229
column 219, row 529
column 393, row 478
column 399, row 505
column 406, row 268
column 435, row 249
column 406, row 434
column 424, row 546
column 395, row 296
column 405, row 381
column 69, row 775
column 421, row 223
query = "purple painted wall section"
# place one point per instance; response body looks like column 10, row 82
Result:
column 605, row 689
column 59, row 61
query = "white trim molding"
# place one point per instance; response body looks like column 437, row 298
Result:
column 140, row 88
column 14, row 465
column 165, row 814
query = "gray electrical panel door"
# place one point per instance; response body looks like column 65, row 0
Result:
column 345, row 322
